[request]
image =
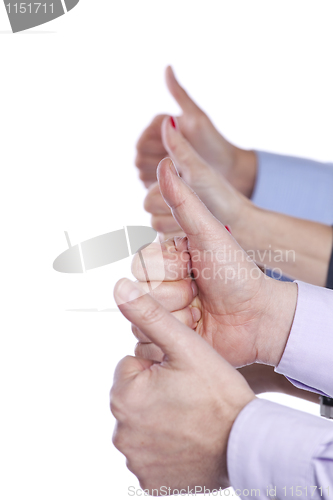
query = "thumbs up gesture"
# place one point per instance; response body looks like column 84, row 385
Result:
column 242, row 313
column 174, row 418
column 225, row 202
column 238, row 166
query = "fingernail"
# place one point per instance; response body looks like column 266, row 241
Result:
column 179, row 241
column 173, row 168
column 196, row 314
column 194, row 288
column 189, row 267
column 228, row 229
column 173, row 122
column 128, row 291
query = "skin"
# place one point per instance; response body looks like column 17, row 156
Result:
column 173, row 418
column 299, row 248
column 237, row 165
column 175, row 410
column 263, row 378
column 179, row 297
column 223, row 162
column 239, row 307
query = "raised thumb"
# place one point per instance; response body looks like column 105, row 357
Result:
column 197, row 222
column 179, row 94
column 186, row 159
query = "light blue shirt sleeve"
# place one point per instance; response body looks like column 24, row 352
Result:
column 277, row 452
column 294, row 186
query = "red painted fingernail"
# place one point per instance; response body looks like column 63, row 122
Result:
column 173, row 123
column 228, row 229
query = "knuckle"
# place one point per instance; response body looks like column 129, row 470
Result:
column 136, row 267
column 115, row 405
column 154, row 314
column 156, row 123
column 197, row 122
column 160, row 117
column 183, row 153
column 147, row 179
column 142, row 350
column 135, row 465
column 145, row 174
column 118, row 440
column 139, row 161
column 163, row 223
column 141, row 142
column 149, row 351
column 141, row 337
column 149, row 203
column 135, row 331
column 145, row 482
column 120, row 405
column 157, row 224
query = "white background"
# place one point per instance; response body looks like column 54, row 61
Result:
column 75, row 95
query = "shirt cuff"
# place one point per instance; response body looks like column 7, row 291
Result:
column 294, row 186
column 273, row 448
column 307, row 358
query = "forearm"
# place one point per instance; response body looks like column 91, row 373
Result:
column 300, row 248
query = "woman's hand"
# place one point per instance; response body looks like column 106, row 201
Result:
column 295, row 247
column 226, row 203
column 238, row 166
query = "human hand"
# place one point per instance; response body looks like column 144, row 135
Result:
column 237, row 165
column 162, row 219
column 245, row 315
column 225, row 202
column 174, row 418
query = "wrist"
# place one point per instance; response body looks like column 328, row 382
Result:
column 280, row 300
column 262, row 378
column 251, row 229
column 243, row 175
column 244, row 221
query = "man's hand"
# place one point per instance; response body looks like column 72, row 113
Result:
column 237, row 165
column 245, row 316
column 174, row 418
